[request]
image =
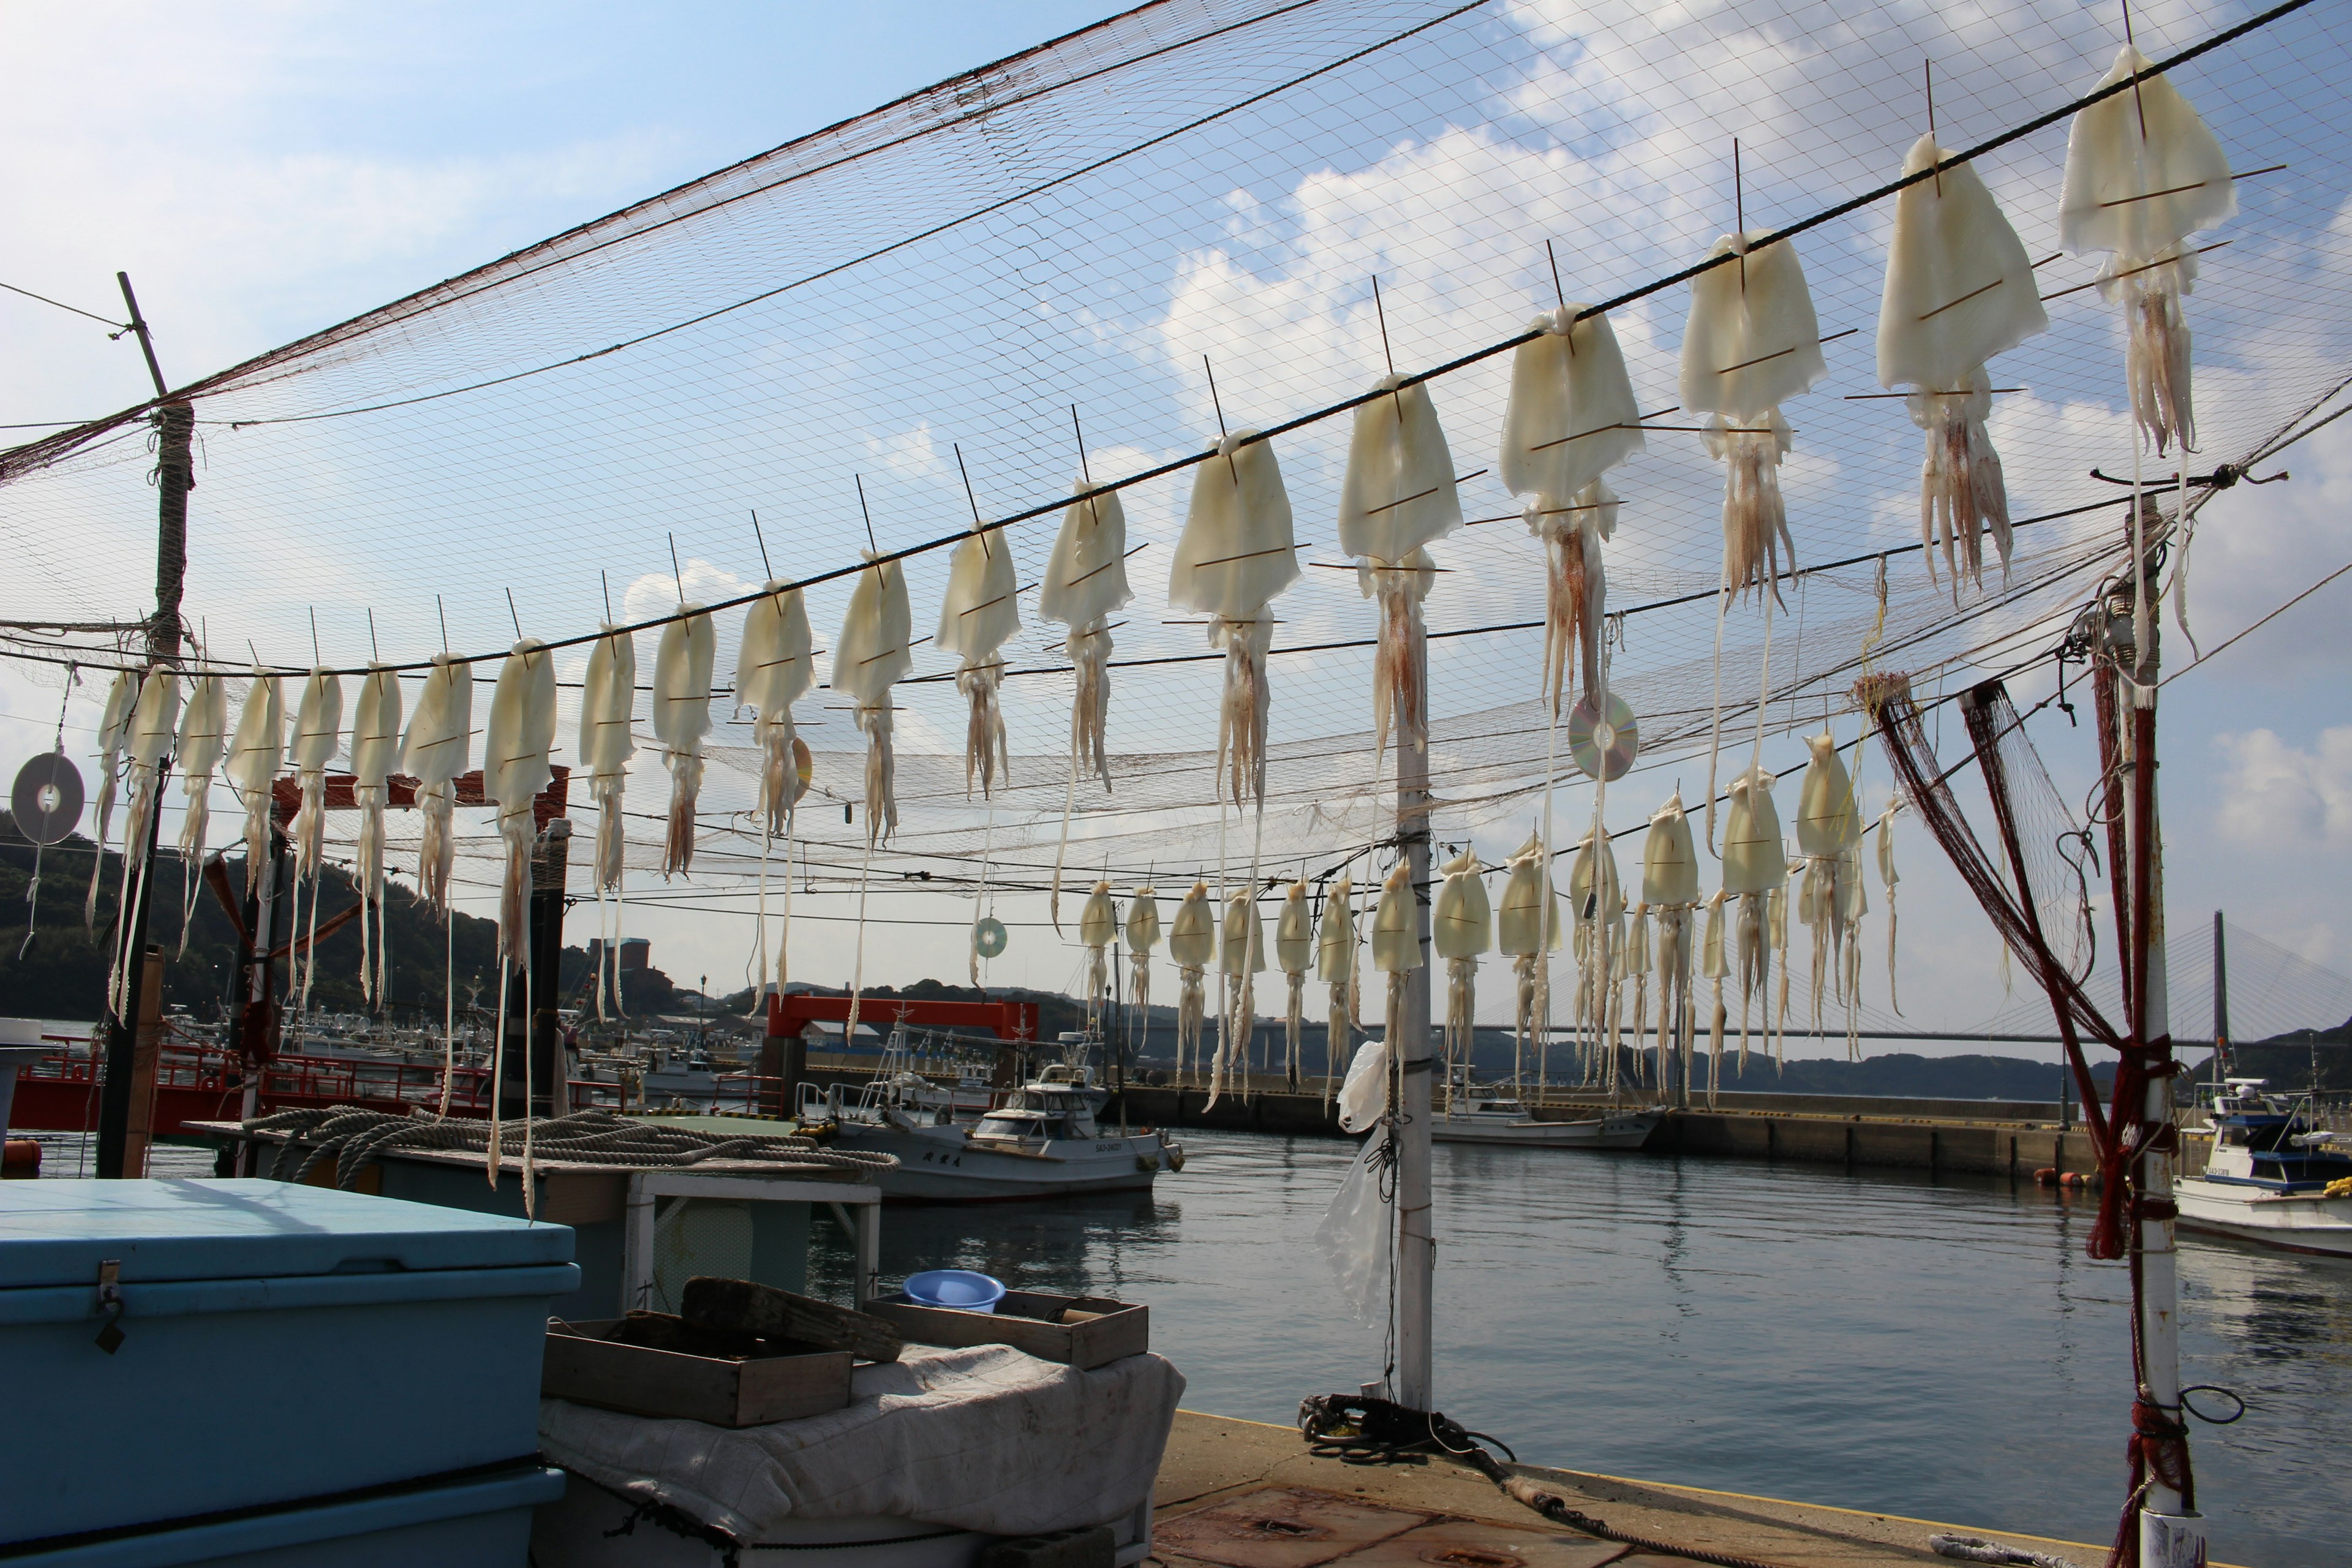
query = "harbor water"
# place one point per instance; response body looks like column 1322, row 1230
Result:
column 1935, row 1349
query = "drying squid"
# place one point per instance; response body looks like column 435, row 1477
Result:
column 1461, row 930
column 1526, row 927
column 1888, row 878
column 113, row 724
column 873, row 652
column 683, row 661
column 1084, row 582
column 1670, row 889
column 1294, row 950
column 1396, row 949
column 1637, row 965
column 204, row 741
column 1571, row 418
column 515, row 768
column 2143, row 173
column 772, row 671
column 317, row 731
column 1398, row 496
column 1828, row 828
column 1191, row 943
column 254, row 756
column 608, row 701
column 1715, row 965
column 1754, row 864
column 375, row 743
column 434, row 752
column 977, row 614
column 1240, row 958
column 1334, row 965
column 146, row 742
column 1098, row 925
column 1958, row 290
column 1237, row 552
column 1142, row 936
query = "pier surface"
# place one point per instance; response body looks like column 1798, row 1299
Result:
column 1242, row 1494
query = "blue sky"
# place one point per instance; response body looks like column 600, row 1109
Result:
column 265, row 177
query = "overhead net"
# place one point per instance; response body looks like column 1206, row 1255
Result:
column 1080, row 226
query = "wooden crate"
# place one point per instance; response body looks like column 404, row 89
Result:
column 1099, row 1330
column 720, row 1391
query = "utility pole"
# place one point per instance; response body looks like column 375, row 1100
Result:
column 175, row 427
column 1416, row 1243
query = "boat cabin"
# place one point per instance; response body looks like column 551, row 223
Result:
column 1045, row 1112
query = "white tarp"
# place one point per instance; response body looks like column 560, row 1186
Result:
column 984, row 1439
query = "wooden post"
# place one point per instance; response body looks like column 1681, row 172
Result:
column 147, row 1047
column 1416, row 1243
column 543, row 952
column 175, row 425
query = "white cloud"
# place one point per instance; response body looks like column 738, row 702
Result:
column 2277, row 796
column 911, row 454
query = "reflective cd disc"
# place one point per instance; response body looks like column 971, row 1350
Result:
column 988, row 937
column 1603, row 748
column 47, row 797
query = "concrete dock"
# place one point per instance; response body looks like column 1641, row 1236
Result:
column 1241, row 1494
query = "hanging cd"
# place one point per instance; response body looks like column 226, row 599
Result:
column 803, row 769
column 47, row 797
column 1604, row 747
column 988, row 937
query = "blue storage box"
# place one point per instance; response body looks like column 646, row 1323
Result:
column 276, row 1343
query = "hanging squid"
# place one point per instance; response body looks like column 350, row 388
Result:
column 317, row 731
column 1236, row 554
column 1958, row 290
column 977, row 615
column 1240, row 958
column 1716, row 967
column 1754, row 864
column 1637, row 965
column 1751, row 342
column 1396, row 950
column 515, row 768
column 1398, row 496
column 375, row 744
column 146, row 742
column 1670, row 890
column 1294, row 950
column 204, row 741
column 873, row 652
column 608, row 701
column 1571, row 418
column 1461, row 930
column 1191, row 943
column 1334, row 965
column 1597, row 904
column 1142, row 936
column 1084, row 582
column 1526, row 928
column 2143, row 173
column 682, row 662
column 1829, row 826
column 113, row 724
column 1098, row 925
column 434, row 752
column 254, row 756
column 773, row 670
column 1888, row 878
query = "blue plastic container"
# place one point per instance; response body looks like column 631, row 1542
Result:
column 959, row 1289
column 277, row 1343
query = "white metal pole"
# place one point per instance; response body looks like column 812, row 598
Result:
column 1416, row 1244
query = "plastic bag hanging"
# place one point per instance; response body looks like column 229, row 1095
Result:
column 204, row 742
column 1356, row 1232
column 375, row 744
column 1958, row 290
column 113, row 725
column 1334, row 965
column 1398, row 496
column 1191, row 943
column 1294, row 950
column 683, row 663
column 436, row 753
column 1236, row 554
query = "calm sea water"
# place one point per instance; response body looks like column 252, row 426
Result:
column 1941, row 1349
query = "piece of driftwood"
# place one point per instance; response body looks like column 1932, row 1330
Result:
column 586, row 1362
column 744, row 1306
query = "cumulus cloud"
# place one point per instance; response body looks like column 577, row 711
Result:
column 2278, row 796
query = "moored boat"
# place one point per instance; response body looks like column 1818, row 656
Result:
column 2269, row 1176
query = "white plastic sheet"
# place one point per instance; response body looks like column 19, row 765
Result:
column 1355, row 1236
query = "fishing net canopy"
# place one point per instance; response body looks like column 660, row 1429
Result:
column 1080, row 226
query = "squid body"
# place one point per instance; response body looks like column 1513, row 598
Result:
column 1191, row 943
column 1142, row 936
column 436, row 753
column 1097, row 926
column 682, row 662
column 204, row 741
column 1461, row 930
column 1240, row 958
column 375, row 746
column 1084, row 582
column 1294, row 950
column 1399, row 495
column 1670, row 891
column 1528, row 929
column 1754, row 864
column 1829, row 895
column 1396, row 948
column 980, row 612
column 1236, row 554
column 874, row 650
column 113, row 724
column 254, row 756
column 1334, row 965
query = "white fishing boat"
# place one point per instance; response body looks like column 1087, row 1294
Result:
column 1043, row 1140
column 2269, row 1176
column 1476, row 1114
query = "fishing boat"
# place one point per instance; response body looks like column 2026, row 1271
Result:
column 2270, row 1176
column 1485, row 1114
column 1043, row 1141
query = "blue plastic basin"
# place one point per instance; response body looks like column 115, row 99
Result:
column 959, row 1289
